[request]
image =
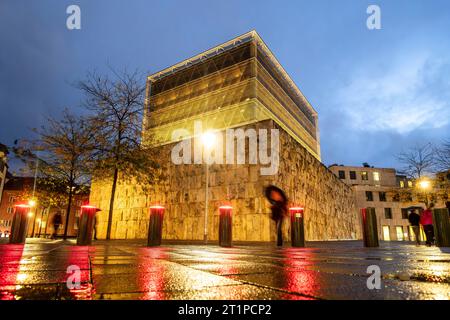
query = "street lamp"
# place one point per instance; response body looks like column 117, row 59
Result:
column 425, row 185
column 32, row 204
column 208, row 140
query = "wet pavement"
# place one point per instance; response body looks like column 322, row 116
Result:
column 130, row 270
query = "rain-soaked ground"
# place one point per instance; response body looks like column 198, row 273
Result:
column 129, row 270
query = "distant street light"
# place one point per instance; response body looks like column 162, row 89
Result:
column 208, row 140
column 32, row 203
column 425, row 185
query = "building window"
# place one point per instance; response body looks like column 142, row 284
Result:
column 404, row 213
column 10, row 210
column 399, row 231
column 382, row 196
column 387, row 213
column 386, row 233
column 410, row 184
column 12, row 199
column 402, row 184
column 369, row 196
column 364, row 175
column 353, row 175
column 376, row 176
column 341, row 174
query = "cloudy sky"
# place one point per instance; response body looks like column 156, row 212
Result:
column 376, row 91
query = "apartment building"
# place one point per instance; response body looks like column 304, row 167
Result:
column 375, row 187
column 3, row 167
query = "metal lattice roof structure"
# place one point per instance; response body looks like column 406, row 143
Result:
column 233, row 43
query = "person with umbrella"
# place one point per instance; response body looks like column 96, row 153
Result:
column 278, row 201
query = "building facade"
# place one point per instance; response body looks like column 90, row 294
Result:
column 3, row 168
column 236, row 85
column 377, row 188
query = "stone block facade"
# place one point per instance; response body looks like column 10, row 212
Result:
column 330, row 211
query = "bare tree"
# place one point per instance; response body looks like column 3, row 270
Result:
column 443, row 156
column 117, row 105
column 63, row 151
column 417, row 161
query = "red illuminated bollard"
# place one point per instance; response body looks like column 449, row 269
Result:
column 225, row 226
column 370, row 231
column 297, row 226
column 86, row 225
column 155, row 226
column 19, row 226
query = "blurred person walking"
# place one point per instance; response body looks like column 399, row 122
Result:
column 278, row 200
column 414, row 220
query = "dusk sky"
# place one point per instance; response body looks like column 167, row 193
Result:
column 376, row 91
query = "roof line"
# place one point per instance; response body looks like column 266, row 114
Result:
column 246, row 37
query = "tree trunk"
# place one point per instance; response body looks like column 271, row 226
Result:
column 69, row 207
column 111, row 203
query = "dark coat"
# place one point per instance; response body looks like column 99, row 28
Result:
column 414, row 219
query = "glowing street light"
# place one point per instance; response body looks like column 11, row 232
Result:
column 208, row 140
column 425, row 185
column 32, row 203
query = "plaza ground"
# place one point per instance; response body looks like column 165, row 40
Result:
column 129, row 270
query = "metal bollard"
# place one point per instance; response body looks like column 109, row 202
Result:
column 19, row 226
column 155, row 226
column 370, row 231
column 441, row 222
column 86, row 225
column 297, row 226
column 225, row 226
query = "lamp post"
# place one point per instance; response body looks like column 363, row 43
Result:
column 424, row 185
column 208, row 140
column 32, row 204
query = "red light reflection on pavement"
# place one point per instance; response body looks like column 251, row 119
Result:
column 150, row 273
column 79, row 256
column 297, row 278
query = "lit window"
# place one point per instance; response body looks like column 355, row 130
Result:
column 410, row 184
column 399, row 231
column 376, row 176
column 386, row 233
column 402, row 184
column 364, row 175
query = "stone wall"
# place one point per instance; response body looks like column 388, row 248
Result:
column 329, row 204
